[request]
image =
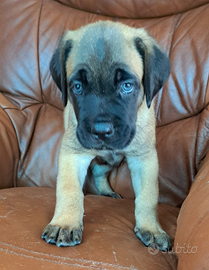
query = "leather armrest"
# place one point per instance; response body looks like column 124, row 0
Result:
column 9, row 150
column 192, row 237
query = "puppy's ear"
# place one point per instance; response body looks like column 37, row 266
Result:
column 58, row 67
column 156, row 68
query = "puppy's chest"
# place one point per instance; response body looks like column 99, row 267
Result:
column 113, row 158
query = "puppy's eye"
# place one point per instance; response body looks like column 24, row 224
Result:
column 77, row 88
column 127, row 87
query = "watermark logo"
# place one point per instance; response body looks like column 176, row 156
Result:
column 153, row 249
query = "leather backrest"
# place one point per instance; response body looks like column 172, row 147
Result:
column 30, row 32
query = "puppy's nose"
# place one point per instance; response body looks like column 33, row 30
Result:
column 102, row 130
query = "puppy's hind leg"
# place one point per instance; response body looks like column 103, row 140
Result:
column 100, row 170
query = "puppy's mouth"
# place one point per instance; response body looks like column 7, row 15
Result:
column 104, row 147
column 116, row 142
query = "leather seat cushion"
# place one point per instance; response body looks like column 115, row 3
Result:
column 108, row 239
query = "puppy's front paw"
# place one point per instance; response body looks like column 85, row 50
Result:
column 62, row 237
column 159, row 240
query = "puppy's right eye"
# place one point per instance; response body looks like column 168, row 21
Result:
column 77, row 88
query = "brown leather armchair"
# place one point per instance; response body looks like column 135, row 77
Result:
column 31, row 127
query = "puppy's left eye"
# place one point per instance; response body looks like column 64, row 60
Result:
column 77, row 88
column 127, row 87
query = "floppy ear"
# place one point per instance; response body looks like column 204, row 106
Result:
column 58, row 69
column 156, row 68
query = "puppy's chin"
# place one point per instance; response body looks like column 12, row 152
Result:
column 90, row 142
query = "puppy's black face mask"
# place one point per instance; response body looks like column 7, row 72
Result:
column 104, row 91
column 105, row 106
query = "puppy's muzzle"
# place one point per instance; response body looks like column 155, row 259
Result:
column 102, row 130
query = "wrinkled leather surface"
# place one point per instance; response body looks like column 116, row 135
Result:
column 132, row 8
column 9, row 149
column 192, row 234
column 108, row 239
column 29, row 86
column 31, row 124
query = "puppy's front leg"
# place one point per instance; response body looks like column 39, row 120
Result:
column 66, row 227
column 144, row 174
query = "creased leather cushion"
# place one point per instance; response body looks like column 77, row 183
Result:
column 9, row 150
column 31, row 33
column 108, row 240
column 134, row 9
column 192, row 237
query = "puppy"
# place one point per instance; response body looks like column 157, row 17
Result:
column 109, row 74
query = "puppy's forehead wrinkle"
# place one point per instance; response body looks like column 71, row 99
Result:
column 100, row 48
column 103, row 46
column 99, row 43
